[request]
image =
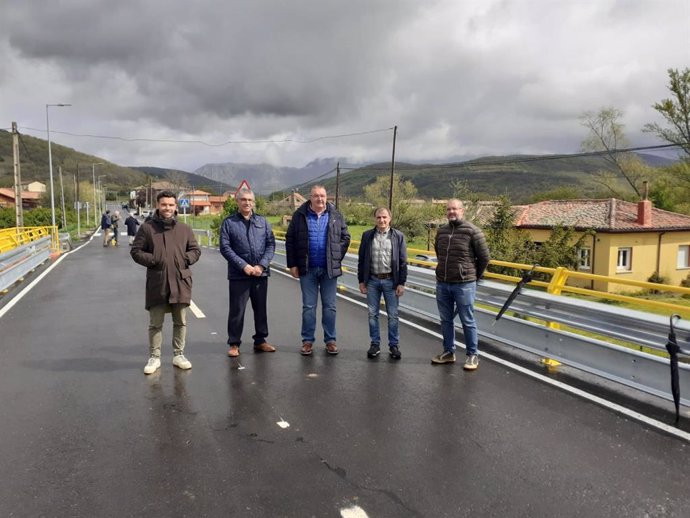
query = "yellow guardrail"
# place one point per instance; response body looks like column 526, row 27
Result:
column 558, row 283
column 11, row 238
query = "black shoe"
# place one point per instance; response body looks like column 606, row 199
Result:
column 394, row 352
column 373, row 351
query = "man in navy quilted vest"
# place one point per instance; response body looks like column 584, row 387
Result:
column 317, row 239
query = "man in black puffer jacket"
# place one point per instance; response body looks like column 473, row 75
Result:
column 462, row 255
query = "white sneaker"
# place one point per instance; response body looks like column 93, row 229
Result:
column 181, row 362
column 153, row 365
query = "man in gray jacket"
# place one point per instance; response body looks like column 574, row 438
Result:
column 248, row 244
column 462, row 255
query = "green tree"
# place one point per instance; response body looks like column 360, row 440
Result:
column 676, row 111
column 559, row 193
column 408, row 217
column 506, row 243
column 560, row 249
column 606, row 135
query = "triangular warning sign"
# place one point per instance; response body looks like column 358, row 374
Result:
column 244, row 185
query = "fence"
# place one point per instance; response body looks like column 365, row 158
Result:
column 622, row 345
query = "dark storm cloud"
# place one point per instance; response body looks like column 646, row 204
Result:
column 457, row 76
column 298, row 59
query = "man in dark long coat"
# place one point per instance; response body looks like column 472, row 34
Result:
column 167, row 248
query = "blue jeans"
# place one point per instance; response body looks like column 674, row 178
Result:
column 452, row 298
column 376, row 288
column 314, row 281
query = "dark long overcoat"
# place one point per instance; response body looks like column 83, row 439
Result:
column 167, row 249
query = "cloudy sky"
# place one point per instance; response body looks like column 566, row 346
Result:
column 181, row 84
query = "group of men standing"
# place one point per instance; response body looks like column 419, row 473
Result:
column 317, row 240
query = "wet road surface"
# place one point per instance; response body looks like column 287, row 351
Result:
column 85, row 433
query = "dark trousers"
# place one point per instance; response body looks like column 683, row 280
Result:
column 256, row 289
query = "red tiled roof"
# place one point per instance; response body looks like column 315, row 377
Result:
column 609, row 215
column 26, row 195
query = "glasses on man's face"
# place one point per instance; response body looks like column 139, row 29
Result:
column 246, row 200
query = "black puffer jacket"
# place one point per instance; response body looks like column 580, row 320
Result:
column 461, row 251
column 297, row 241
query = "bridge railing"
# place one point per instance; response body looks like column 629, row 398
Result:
column 622, row 345
column 18, row 261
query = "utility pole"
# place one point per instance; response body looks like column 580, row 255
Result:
column 78, row 203
column 62, row 193
column 390, row 191
column 19, row 215
column 337, row 183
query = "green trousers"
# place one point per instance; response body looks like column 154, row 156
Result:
column 156, row 318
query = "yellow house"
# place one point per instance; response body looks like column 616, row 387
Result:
column 631, row 241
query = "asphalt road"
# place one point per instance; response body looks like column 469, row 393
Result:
column 85, row 433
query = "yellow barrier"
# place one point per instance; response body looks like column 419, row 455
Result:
column 11, row 238
column 559, row 277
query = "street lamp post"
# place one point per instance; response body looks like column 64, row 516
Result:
column 95, row 204
column 50, row 163
column 101, row 198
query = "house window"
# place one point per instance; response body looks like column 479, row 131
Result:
column 584, row 258
column 683, row 256
column 624, row 262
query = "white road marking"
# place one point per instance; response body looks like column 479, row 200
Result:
column 195, row 310
column 283, row 423
column 353, row 512
column 669, row 429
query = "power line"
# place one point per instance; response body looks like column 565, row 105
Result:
column 518, row 160
column 174, row 141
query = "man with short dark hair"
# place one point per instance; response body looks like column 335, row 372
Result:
column 315, row 244
column 167, row 248
column 382, row 272
column 462, row 255
column 248, row 245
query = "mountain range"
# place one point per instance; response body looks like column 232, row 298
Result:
column 517, row 176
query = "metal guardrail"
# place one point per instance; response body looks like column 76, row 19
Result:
column 11, row 238
column 532, row 325
column 19, row 261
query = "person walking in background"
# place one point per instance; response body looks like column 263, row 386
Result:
column 462, row 255
column 248, row 244
column 131, row 223
column 105, row 227
column 167, row 248
column 382, row 271
column 316, row 241
column 114, row 227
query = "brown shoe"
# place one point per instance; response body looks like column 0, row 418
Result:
column 306, row 349
column 264, row 348
column 331, row 348
column 234, row 351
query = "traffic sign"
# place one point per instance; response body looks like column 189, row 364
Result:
column 183, row 203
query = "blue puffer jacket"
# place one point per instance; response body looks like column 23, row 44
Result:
column 242, row 246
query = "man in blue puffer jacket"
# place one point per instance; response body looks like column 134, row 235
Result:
column 315, row 244
column 248, row 244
